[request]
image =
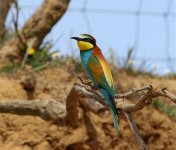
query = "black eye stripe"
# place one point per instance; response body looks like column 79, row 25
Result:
column 89, row 40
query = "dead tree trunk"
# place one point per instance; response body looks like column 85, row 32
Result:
column 35, row 29
column 4, row 9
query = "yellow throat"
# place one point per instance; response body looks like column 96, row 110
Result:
column 83, row 45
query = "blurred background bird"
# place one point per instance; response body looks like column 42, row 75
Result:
column 98, row 70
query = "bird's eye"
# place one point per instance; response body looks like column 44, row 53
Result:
column 89, row 40
column 86, row 39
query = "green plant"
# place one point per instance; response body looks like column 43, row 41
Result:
column 169, row 110
column 41, row 56
column 38, row 59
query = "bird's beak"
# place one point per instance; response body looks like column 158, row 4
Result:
column 76, row 38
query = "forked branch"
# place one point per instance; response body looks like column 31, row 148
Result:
column 85, row 96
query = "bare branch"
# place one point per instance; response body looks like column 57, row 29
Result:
column 52, row 109
column 141, row 102
column 71, row 107
column 86, row 91
column 46, row 109
column 145, row 99
column 78, row 96
column 135, row 131
column 165, row 93
column 133, row 91
column 90, row 105
column 15, row 18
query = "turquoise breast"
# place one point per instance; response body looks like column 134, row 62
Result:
column 85, row 55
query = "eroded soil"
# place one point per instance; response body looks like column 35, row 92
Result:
column 95, row 131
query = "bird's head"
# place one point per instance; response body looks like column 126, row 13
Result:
column 85, row 42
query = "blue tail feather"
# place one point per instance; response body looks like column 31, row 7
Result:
column 109, row 99
column 114, row 115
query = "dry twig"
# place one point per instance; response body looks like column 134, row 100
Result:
column 135, row 130
column 53, row 110
column 15, row 18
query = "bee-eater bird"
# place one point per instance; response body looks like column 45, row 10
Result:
column 98, row 70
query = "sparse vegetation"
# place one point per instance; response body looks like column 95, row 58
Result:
column 10, row 69
column 169, row 110
column 129, row 64
column 41, row 56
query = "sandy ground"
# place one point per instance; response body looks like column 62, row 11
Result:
column 95, row 130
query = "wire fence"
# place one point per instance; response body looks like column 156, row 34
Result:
column 139, row 13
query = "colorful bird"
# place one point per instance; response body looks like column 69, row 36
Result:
column 98, row 70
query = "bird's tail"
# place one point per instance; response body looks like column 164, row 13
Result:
column 115, row 118
column 110, row 100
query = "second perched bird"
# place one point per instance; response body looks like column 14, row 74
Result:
column 98, row 70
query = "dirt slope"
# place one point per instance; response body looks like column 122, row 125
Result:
column 95, row 131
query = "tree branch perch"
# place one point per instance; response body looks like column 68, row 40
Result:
column 78, row 96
